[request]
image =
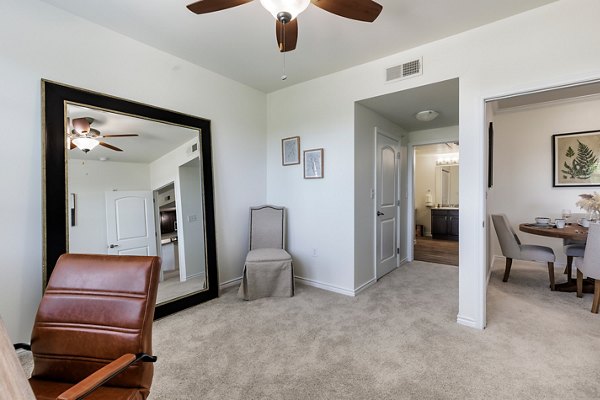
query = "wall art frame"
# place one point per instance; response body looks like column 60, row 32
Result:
column 576, row 159
column 290, row 151
column 313, row 163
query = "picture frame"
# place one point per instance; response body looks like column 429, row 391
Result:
column 290, row 151
column 313, row 164
column 576, row 159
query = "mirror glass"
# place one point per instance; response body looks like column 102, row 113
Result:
column 122, row 177
column 446, row 185
column 138, row 191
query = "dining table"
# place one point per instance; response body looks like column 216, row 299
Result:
column 570, row 231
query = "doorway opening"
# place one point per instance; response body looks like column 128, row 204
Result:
column 436, row 201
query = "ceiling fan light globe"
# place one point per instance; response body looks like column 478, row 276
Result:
column 85, row 144
column 292, row 7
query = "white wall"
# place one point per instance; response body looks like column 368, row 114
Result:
column 189, row 212
column 365, row 122
column 89, row 180
column 539, row 48
column 523, row 164
column 424, row 180
column 164, row 170
column 39, row 43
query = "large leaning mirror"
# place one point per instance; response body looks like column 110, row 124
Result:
column 126, row 178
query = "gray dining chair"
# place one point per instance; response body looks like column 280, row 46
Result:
column 589, row 265
column 268, row 270
column 572, row 249
column 513, row 249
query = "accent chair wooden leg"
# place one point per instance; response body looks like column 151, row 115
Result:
column 507, row 269
column 596, row 301
column 569, row 267
column 551, row 275
column 579, row 283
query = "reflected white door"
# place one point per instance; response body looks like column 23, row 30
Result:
column 386, row 201
column 130, row 227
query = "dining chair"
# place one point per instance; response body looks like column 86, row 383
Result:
column 268, row 270
column 512, row 248
column 589, row 265
column 572, row 249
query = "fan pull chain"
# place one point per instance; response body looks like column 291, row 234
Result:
column 283, row 76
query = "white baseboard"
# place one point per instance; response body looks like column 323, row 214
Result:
column 230, row 283
column 198, row 275
column 325, row 286
column 466, row 321
column 364, row 286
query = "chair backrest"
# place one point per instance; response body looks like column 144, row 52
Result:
column 509, row 241
column 95, row 309
column 267, row 227
column 591, row 258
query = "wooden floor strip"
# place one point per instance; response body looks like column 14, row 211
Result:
column 436, row 251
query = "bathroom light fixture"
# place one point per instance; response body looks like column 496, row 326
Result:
column 427, row 115
column 85, row 144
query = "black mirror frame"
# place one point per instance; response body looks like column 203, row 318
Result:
column 54, row 99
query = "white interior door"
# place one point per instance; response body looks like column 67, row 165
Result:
column 386, row 202
column 130, row 227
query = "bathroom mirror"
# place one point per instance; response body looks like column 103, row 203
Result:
column 141, row 186
column 446, row 185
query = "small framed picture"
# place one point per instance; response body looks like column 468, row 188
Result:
column 290, row 150
column 313, row 164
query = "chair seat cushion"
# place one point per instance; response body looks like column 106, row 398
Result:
column 575, row 250
column 49, row 390
column 533, row 252
column 260, row 255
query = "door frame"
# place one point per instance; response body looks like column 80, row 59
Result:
column 378, row 131
column 410, row 203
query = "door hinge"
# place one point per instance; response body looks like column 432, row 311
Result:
column 397, row 250
column 398, row 155
column 398, row 203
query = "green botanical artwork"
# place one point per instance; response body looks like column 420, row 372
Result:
column 584, row 165
column 577, row 159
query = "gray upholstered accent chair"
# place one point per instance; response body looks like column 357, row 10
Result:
column 513, row 249
column 589, row 265
column 268, row 271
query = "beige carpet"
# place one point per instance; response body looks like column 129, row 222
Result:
column 396, row 340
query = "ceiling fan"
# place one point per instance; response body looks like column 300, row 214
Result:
column 85, row 138
column 286, row 11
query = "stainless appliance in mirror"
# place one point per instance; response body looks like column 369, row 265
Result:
column 446, row 185
column 127, row 178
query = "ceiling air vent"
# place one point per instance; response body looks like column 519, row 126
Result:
column 403, row 71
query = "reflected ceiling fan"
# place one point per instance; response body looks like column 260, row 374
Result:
column 286, row 11
column 85, row 138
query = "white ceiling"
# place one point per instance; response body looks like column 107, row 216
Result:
column 154, row 141
column 401, row 107
column 240, row 42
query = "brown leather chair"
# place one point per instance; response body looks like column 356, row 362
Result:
column 96, row 318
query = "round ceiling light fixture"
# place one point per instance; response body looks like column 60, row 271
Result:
column 427, row 115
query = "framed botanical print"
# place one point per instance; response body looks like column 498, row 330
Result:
column 290, row 150
column 576, row 159
column 313, row 164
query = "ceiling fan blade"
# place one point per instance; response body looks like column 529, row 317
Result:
column 361, row 10
column 208, row 6
column 123, row 135
column 290, row 33
column 109, row 146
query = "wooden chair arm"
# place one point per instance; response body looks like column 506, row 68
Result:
column 103, row 375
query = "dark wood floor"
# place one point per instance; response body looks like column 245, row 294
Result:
column 436, row 251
